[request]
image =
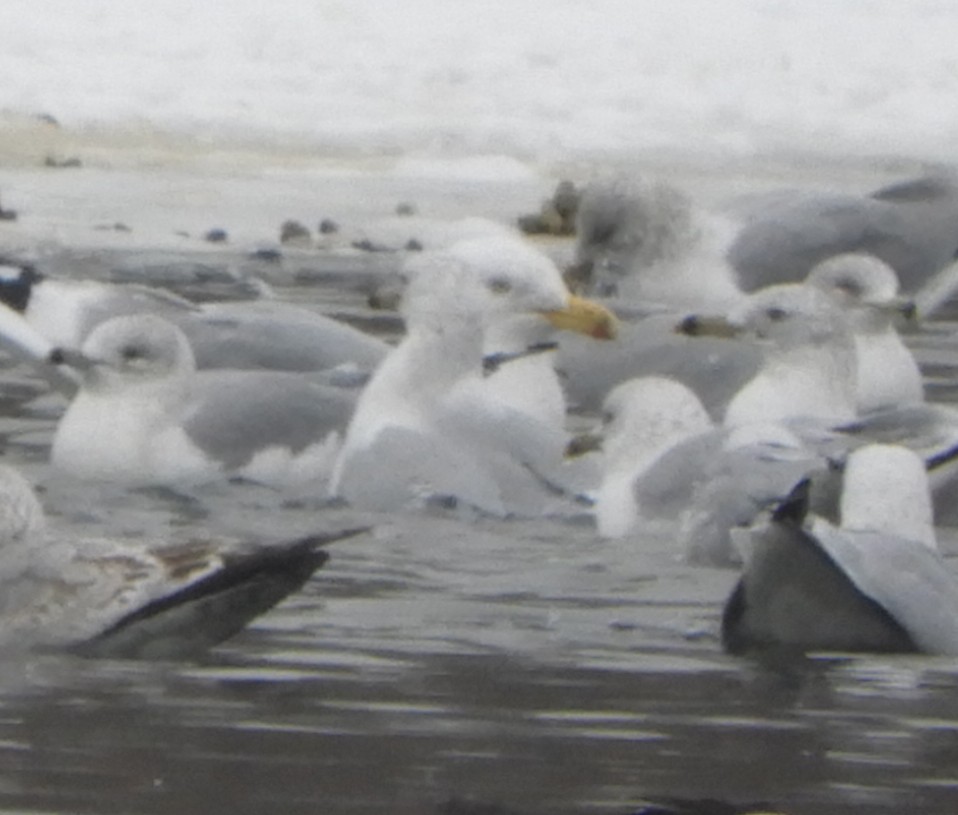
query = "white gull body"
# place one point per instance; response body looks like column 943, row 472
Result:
column 426, row 425
column 145, row 416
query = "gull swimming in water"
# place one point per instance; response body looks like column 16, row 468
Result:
column 809, row 366
column 145, row 416
column 106, row 598
column 664, row 459
column 864, row 288
column 425, row 425
column 809, row 378
column 642, row 420
column 666, row 465
column 245, row 335
column 874, row 583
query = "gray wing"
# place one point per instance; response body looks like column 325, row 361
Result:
column 729, row 489
column 714, row 369
column 119, row 300
column 666, row 489
column 190, row 616
column 525, row 456
column 404, row 467
column 928, row 429
column 793, row 234
column 276, row 336
column 912, row 226
column 909, row 580
column 231, row 415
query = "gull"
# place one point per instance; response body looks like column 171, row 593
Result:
column 664, row 459
column 245, row 335
column 866, row 289
column 874, row 583
column 645, row 241
column 426, row 425
column 809, row 363
column 666, row 465
column 911, row 225
column 103, row 597
column 643, row 419
column 145, row 416
column 810, row 379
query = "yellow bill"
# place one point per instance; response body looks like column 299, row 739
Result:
column 585, row 317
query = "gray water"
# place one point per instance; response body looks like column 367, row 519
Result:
column 447, row 664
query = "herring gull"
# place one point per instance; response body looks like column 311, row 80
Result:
column 104, row 597
column 145, row 416
column 426, row 425
column 874, row 583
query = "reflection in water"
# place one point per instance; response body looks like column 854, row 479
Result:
column 525, row 664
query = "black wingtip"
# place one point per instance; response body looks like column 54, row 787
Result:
column 15, row 291
column 732, row 639
column 941, row 459
column 186, row 622
column 794, row 508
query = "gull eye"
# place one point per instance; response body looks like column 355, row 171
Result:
column 849, row 287
column 775, row 314
column 500, row 285
column 608, row 416
column 132, row 352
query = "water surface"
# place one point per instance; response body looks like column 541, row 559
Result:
column 443, row 660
